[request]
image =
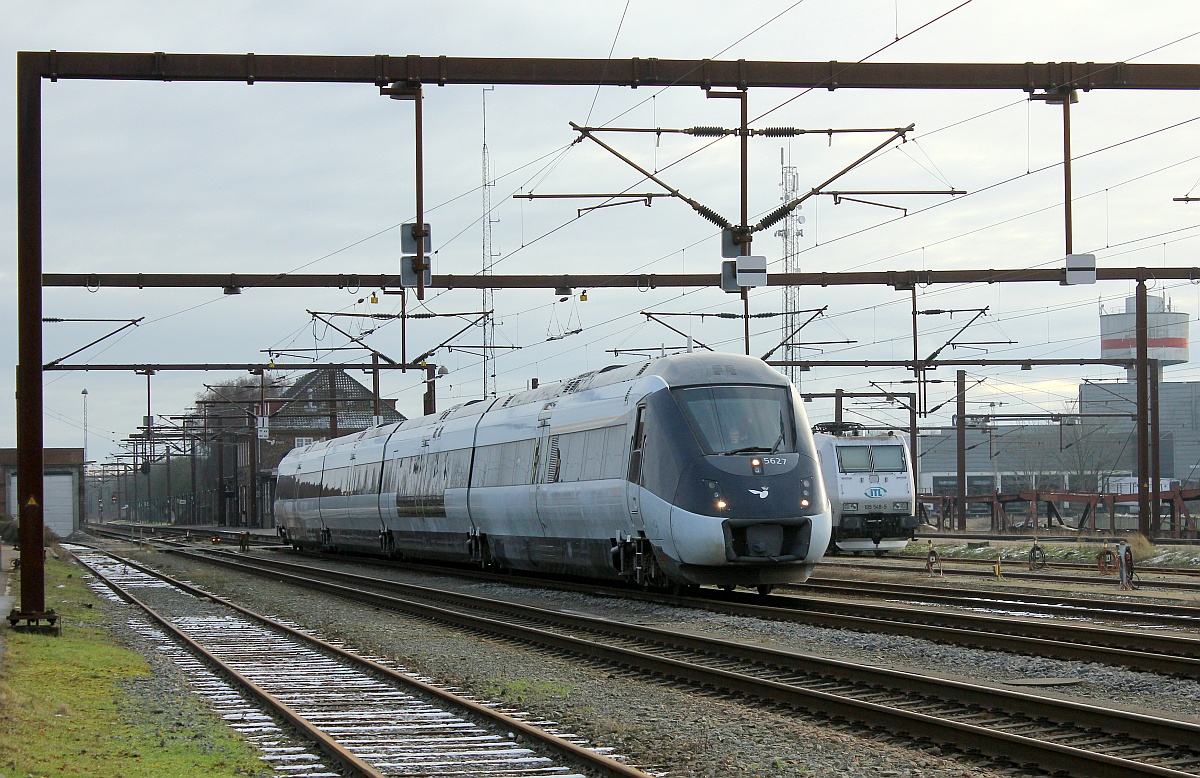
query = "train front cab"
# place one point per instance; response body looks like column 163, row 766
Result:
column 725, row 479
column 877, row 503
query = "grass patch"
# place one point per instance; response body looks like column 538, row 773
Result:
column 524, row 692
column 70, row 705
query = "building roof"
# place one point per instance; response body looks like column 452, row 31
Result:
column 56, row 457
column 307, row 404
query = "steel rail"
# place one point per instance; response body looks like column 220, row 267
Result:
column 575, row 753
column 1010, row 569
column 1047, row 754
column 323, row 741
column 1174, row 615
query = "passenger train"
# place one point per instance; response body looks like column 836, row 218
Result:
column 691, row 469
column 869, row 478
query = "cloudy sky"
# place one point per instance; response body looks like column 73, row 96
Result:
column 176, row 177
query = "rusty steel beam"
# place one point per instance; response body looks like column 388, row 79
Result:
column 908, row 363
column 249, row 367
column 901, row 279
column 383, row 69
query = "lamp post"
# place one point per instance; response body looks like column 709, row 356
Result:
column 85, row 428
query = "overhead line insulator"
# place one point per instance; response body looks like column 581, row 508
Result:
column 779, row 132
column 711, row 215
column 709, row 132
column 775, row 216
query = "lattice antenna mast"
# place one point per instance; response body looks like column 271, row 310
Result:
column 790, row 232
column 489, row 319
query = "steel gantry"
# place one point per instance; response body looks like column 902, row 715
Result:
column 405, row 77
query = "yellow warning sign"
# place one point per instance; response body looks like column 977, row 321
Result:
column 32, row 503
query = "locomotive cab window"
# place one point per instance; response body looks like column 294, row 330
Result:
column 888, row 459
column 854, row 459
column 739, row 419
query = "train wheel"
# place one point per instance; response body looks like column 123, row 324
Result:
column 765, row 589
column 727, row 587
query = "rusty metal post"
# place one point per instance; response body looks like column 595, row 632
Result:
column 743, row 234
column 333, row 404
column 1155, row 444
column 1143, row 411
column 169, row 513
column 30, row 457
column 377, row 412
column 419, row 233
column 912, row 444
column 149, row 457
column 222, row 500
column 961, row 426
column 1067, row 168
column 193, row 499
column 430, row 396
column 745, row 186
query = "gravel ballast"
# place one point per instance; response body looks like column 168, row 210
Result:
column 664, row 729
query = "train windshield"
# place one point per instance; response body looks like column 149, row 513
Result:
column 888, row 459
column 871, row 459
column 739, row 419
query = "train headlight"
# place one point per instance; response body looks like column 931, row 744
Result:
column 849, row 506
column 714, row 489
column 756, row 466
column 900, row 506
column 806, row 485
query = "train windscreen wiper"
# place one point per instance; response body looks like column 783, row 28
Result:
column 749, row 450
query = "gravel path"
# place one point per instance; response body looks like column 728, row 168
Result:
column 675, row 732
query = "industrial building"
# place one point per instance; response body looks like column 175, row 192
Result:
column 63, row 485
column 1080, row 449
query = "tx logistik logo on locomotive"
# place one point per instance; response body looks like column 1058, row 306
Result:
column 691, row 469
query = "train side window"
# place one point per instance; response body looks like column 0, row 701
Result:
column 593, row 454
column 614, row 452
column 459, row 468
column 286, row 489
column 570, row 457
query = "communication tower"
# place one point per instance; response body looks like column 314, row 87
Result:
column 790, row 232
column 489, row 320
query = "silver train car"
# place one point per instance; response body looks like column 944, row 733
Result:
column 870, row 483
column 691, row 469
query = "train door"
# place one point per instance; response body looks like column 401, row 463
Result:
column 633, row 485
column 544, row 459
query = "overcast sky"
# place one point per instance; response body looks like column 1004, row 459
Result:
column 176, row 177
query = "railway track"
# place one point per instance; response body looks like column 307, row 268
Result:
column 364, row 716
column 1047, row 733
column 1175, row 654
column 988, row 627
column 1017, row 570
column 1183, row 616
